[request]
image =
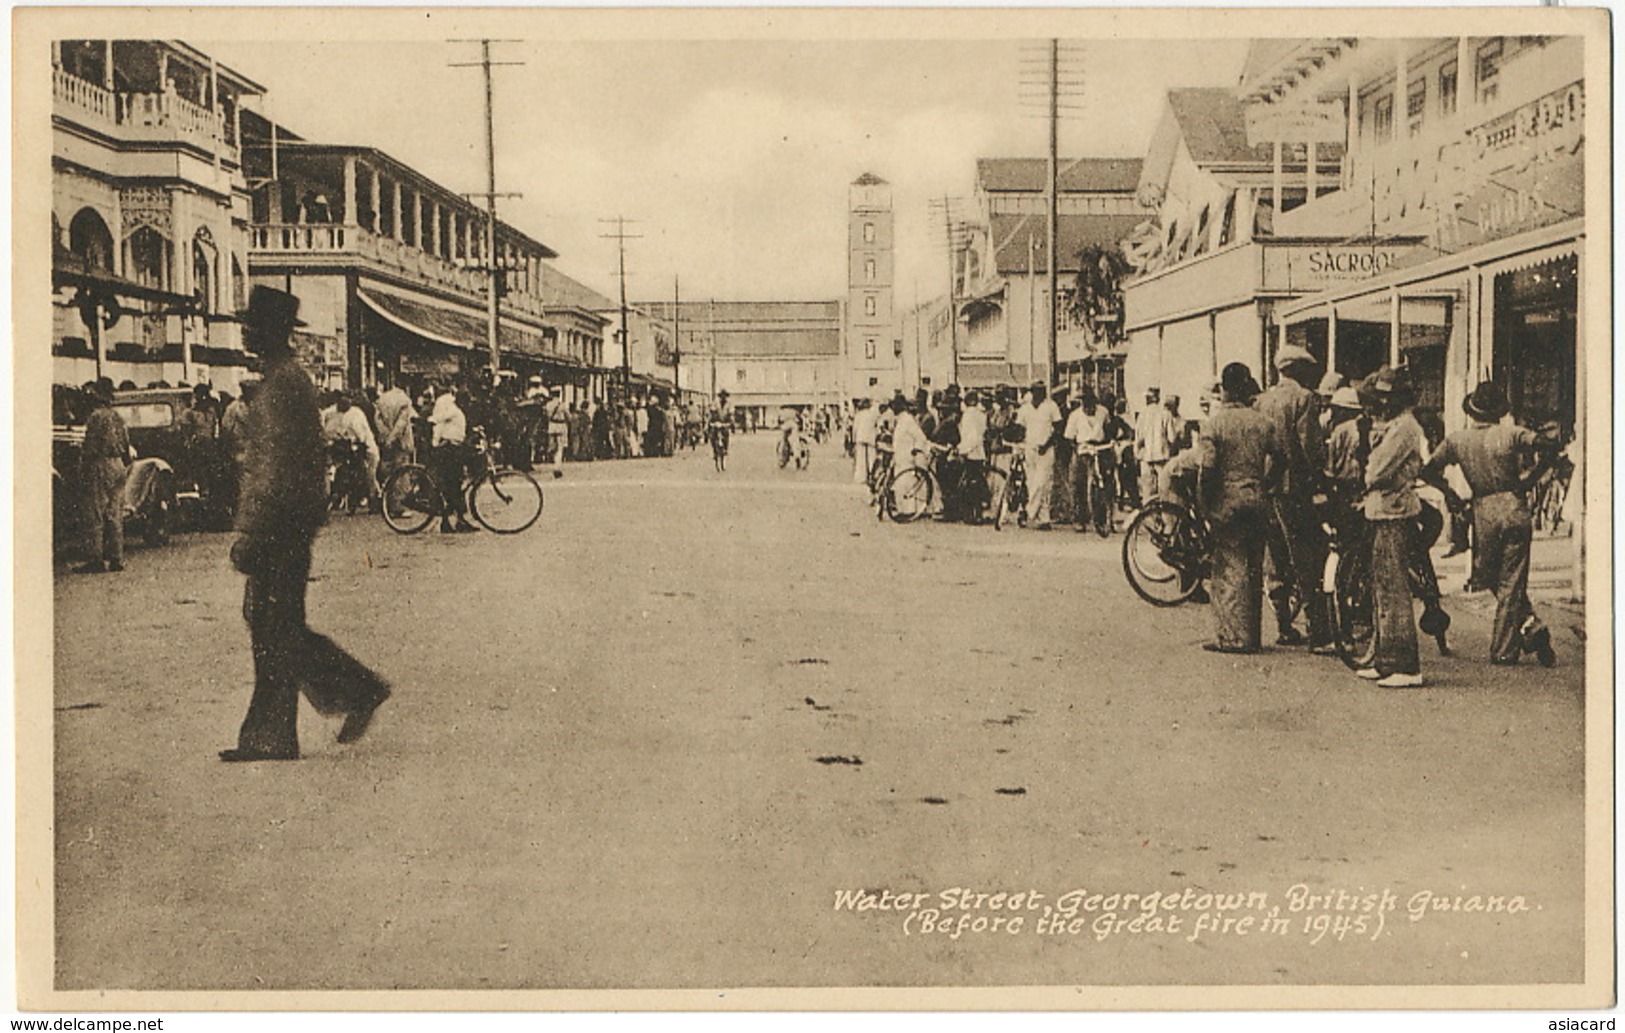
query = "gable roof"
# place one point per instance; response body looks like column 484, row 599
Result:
column 1077, row 232
column 869, row 179
column 1213, row 125
column 1075, row 175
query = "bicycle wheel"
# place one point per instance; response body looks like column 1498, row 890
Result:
column 410, row 500
column 1164, row 554
column 1100, row 513
column 994, row 495
column 1354, row 611
column 506, row 501
column 909, row 495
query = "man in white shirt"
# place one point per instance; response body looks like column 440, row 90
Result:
column 345, row 422
column 1088, row 428
column 973, row 450
column 1153, row 442
column 863, row 440
column 910, row 446
column 449, row 458
column 1040, row 421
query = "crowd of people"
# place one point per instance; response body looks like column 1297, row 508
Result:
column 1268, row 472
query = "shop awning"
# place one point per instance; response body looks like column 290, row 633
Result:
column 449, row 326
column 69, row 270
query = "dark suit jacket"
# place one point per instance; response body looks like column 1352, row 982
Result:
column 284, row 495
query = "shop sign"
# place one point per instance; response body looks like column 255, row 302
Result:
column 1319, row 267
column 1294, row 123
column 430, row 365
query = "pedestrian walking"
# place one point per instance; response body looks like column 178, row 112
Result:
column 1040, row 421
column 1492, row 457
column 559, row 430
column 1235, row 454
column 1297, row 542
column 1391, row 507
column 863, row 440
column 104, row 465
column 448, row 459
column 284, row 504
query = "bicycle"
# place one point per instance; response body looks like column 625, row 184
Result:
column 906, row 493
column 1347, row 580
column 1167, row 553
column 718, row 432
column 1012, row 500
column 1097, row 493
column 502, row 500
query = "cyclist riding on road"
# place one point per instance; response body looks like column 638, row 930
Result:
column 792, row 434
column 718, row 428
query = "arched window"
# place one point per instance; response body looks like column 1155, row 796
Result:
column 239, row 285
column 90, row 239
column 203, row 270
column 147, row 258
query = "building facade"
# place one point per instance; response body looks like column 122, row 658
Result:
column 1001, row 278
column 393, row 272
column 765, row 354
column 150, row 210
column 873, row 362
column 1476, row 146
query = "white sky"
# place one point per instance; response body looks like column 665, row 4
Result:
column 735, row 156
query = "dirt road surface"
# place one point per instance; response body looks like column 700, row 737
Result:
column 650, row 742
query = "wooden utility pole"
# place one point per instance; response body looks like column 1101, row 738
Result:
column 620, row 236
column 1054, row 200
column 677, row 335
column 493, row 266
column 953, row 285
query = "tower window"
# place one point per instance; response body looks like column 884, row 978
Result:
column 868, row 304
column 868, row 233
column 868, row 347
column 869, row 270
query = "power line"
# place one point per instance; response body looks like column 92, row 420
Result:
column 620, row 236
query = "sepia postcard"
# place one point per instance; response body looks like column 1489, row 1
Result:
column 793, row 509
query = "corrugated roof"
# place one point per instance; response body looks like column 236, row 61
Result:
column 1211, row 121
column 1076, row 175
column 1010, row 233
column 560, row 291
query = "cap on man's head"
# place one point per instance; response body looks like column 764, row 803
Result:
column 271, row 308
column 1329, row 384
column 1292, row 355
column 1346, row 397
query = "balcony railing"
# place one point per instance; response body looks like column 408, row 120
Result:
column 385, row 253
column 143, row 114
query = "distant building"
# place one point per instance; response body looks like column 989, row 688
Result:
column 654, row 357
column 765, row 354
column 873, row 363
column 1002, row 282
column 149, row 214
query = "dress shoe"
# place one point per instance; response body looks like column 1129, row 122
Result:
column 1324, row 649
column 114, row 566
column 1220, row 647
column 1290, row 637
column 557, row 474
column 238, row 755
column 464, row 527
column 357, row 722
column 1402, row 681
column 1540, row 644
column 93, row 567
column 1369, row 674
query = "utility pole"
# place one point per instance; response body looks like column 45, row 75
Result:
column 1054, row 198
column 1032, row 309
column 677, row 334
column 620, row 236
column 711, row 340
column 492, row 318
column 953, row 286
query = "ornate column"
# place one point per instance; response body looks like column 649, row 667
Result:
column 435, row 214
column 377, row 200
column 417, row 220
column 395, row 209
column 351, row 216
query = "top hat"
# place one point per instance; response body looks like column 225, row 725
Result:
column 270, row 307
column 1487, row 403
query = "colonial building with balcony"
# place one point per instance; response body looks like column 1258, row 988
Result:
column 149, row 219
column 1002, row 279
column 393, row 271
column 1221, row 257
column 1477, row 147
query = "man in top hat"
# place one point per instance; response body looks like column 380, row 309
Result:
column 104, row 462
column 284, row 503
column 1491, row 456
column 1297, row 543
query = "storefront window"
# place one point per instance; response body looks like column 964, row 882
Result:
column 1535, row 344
column 1416, row 102
column 1424, row 344
column 1447, row 88
column 1489, row 69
